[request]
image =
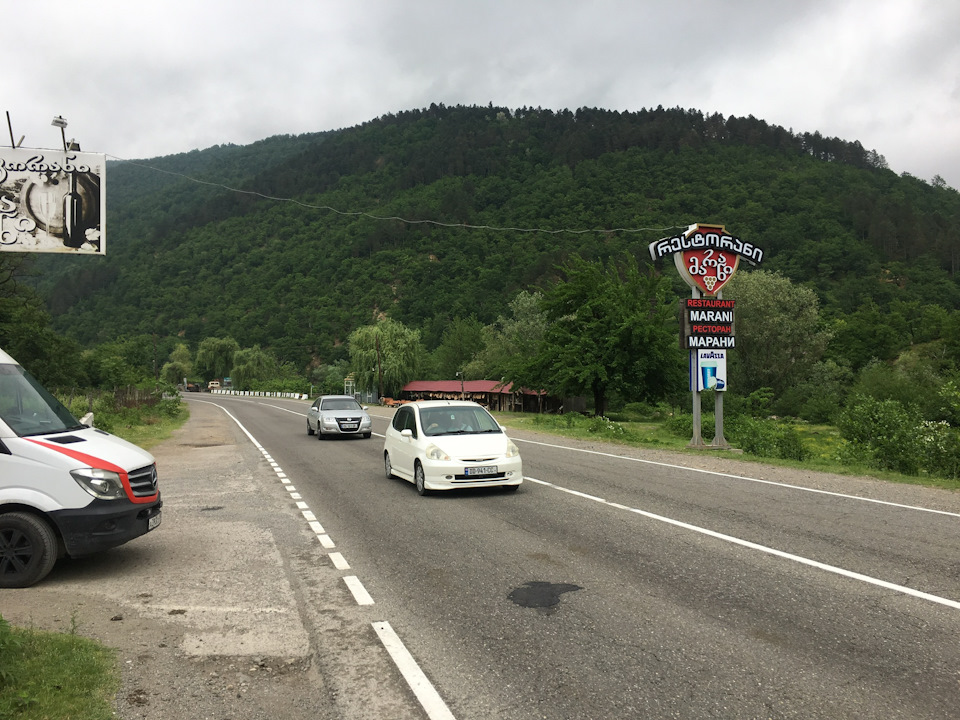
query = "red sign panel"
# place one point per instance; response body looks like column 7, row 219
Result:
column 708, row 269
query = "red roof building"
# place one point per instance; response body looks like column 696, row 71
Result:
column 493, row 394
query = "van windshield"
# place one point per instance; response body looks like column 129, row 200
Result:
column 28, row 408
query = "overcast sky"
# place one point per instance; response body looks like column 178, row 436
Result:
column 137, row 79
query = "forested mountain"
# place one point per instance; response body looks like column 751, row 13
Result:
column 431, row 215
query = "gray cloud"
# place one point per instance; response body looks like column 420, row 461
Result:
column 137, row 80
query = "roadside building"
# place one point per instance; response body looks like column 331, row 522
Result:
column 493, row 394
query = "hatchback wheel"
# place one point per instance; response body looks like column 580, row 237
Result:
column 419, row 480
column 387, row 467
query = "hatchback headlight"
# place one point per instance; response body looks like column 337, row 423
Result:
column 102, row 484
column 512, row 450
column 435, row 453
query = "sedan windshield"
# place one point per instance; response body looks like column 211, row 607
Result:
column 457, row 421
column 340, row 404
column 28, row 408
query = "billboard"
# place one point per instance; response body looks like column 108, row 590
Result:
column 52, row 201
column 711, row 370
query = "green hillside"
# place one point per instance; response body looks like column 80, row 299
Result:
column 293, row 242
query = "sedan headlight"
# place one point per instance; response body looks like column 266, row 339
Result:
column 102, row 484
column 512, row 450
column 435, row 453
column 329, row 421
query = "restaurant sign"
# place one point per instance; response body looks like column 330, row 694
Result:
column 706, row 256
column 52, row 201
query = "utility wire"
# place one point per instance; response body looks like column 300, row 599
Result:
column 409, row 221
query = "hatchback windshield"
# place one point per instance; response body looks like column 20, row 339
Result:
column 28, row 408
column 457, row 421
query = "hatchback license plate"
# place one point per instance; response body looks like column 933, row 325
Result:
column 153, row 522
column 485, row 470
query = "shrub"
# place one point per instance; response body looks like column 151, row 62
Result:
column 643, row 412
column 884, row 431
column 681, row 425
column 766, row 438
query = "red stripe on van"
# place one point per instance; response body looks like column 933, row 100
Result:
column 98, row 463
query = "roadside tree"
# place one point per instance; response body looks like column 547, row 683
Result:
column 215, row 356
column 386, row 356
column 611, row 328
column 780, row 337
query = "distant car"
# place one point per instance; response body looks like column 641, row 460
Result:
column 447, row 444
column 332, row 415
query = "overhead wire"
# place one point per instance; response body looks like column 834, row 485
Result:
column 397, row 218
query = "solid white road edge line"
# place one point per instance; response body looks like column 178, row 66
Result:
column 426, row 693
column 762, row 548
column 737, row 477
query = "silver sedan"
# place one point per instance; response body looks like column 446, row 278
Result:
column 332, row 415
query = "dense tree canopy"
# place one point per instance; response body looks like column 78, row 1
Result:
column 780, row 336
column 610, row 327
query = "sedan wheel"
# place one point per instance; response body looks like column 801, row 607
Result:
column 419, row 480
column 309, row 429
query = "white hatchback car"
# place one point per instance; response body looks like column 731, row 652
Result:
column 447, row 444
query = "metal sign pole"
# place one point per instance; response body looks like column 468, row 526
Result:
column 718, row 440
column 697, row 440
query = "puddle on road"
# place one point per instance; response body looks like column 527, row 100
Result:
column 543, row 596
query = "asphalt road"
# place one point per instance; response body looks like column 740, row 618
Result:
column 618, row 584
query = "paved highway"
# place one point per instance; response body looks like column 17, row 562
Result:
column 612, row 586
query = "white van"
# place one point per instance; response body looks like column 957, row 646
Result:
column 66, row 489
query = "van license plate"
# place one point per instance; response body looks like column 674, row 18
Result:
column 153, row 522
column 485, row 470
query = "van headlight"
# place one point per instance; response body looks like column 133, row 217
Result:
column 512, row 450
column 102, row 484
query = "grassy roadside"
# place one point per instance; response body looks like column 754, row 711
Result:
column 822, row 442
column 45, row 675
column 50, row 675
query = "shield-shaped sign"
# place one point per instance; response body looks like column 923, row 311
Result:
column 708, row 269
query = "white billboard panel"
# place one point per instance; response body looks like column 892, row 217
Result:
column 52, row 201
column 711, row 370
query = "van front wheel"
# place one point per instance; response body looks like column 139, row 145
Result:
column 28, row 549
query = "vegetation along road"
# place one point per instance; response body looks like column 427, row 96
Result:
column 615, row 583
column 613, row 587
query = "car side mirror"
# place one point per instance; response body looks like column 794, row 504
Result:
column 406, row 432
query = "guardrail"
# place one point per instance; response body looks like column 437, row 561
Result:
column 258, row 393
